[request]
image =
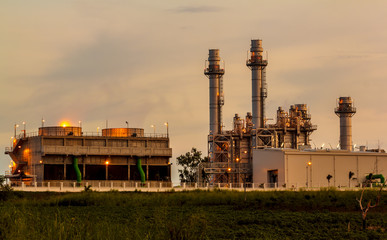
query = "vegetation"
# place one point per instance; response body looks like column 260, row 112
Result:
column 326, row 214
column 190, row 163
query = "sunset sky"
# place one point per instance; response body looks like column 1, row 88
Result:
column 142, row 62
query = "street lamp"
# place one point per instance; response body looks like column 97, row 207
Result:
column 16, row 126
column 166, row 124
column 127, row 128
column 107, row 173
column 307, row 173
column 12, row 138
column 154, row 129
column 24, row 125
column 97, row 131
column 43, row 122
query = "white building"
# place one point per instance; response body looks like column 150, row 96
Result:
column 297, row 168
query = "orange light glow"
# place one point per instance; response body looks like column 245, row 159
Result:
column 237, row 159
column 309, row 163
column 229, row 169
column 107, row 162
column 40, row 161
column 65, row 124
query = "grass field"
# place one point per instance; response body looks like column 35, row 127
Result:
column 189, row 215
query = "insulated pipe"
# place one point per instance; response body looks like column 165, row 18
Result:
column 345, row 111
column 140, row 170
column 77, row 171
column 214, row 73
column 257, row 65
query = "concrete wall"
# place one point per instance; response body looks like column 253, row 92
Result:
column 268, row 160
column 294, row 170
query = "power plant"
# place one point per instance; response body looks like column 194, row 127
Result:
column 256, row 152
column 252, row 153
column 67, row 154
column 230, row 151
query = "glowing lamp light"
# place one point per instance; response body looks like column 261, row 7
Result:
column 309, row 163
column 229, row 169
column 64, row 124
column 107, row 162
column 237, row 159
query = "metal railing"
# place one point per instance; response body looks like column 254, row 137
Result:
column 155, row 186
column 93, row 134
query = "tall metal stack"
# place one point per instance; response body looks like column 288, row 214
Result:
column 258, row 80
column 214, row 72
column 230, row 151
column 345, row 110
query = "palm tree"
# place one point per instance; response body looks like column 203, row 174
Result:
column 350, row 175
column 329, row 179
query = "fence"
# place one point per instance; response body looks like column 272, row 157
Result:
column 155, row 186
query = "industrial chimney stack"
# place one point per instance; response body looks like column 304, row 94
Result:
column 258, row 75
column 345, row 110
column 214, row 72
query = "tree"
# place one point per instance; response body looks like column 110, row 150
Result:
column 190, row 163
column 350, row 175
column 329, row 179
column 364, row 210
column 3, row 186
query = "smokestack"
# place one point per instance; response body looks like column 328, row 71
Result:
column 258, row 75
column 214, row 73
column 345, row 111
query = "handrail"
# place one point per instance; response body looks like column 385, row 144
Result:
column 93, row 134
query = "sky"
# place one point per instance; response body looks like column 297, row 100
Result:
column 142, row 62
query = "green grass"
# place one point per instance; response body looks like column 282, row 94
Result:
column 189, row 215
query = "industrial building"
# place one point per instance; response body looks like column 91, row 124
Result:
column 254, row 151
column 66, row 153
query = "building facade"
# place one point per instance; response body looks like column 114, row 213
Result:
column 316, row 168
column 67, row 154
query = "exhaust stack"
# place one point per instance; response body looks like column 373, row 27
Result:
column 345, row 110
column 214, row 72
column 258, row 80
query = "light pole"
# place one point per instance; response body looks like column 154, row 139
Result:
column 97, row 131
column 154, row 129
column 307, row 174
column 239, row 170
column 16, row 126
column 43, row 122
column 127, row 128
column 80, row 123
column 107, row 169
column 12, row 138
column 24, row 126
column 166, row 124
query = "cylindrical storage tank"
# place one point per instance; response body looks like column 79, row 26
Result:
column 123, row 132
column 60, row 131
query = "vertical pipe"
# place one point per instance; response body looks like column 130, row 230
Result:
column 257, row 65
column 214, row 73
column 345, row 111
